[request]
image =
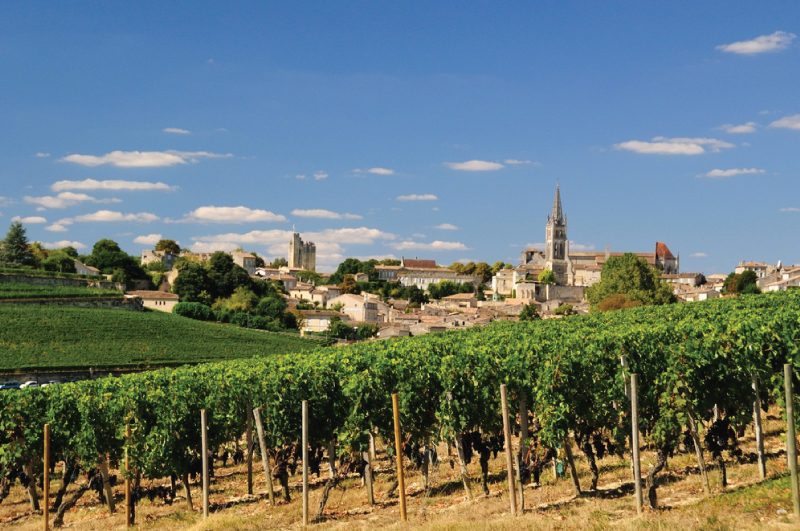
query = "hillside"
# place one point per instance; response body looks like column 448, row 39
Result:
column 46, row 337
column 16, row 290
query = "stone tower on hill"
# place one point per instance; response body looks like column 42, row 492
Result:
column 302, row 255
column 557, row 246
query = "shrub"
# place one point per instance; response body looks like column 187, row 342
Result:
column 194, row 310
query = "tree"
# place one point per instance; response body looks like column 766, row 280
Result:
column 349, row 285
column 630, row 275
column 39, row 253
column 109, row 258
column 278, row 263
column 339, row 328
column 59, row 261
column 168, row 246
column 271, row 307
column 745, row 283
column 617, row 302
column 367, row 330
column 529, row 313
column 564, row 309
column 16, row 251
column 547, row 277
column 497, row 267
column 445, row 288
column 483, row 270
column 193, row 283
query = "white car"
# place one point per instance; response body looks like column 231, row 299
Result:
column 31, row 383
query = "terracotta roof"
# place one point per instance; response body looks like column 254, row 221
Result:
column 754, row 264
column 146, row 294
column 663, row 251
column 531, row 250
column 415, row 264
column 459, row 296
column 244, row 255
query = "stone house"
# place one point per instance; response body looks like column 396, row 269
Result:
column 246, row 261
column 319, row 320
column 83, row 269
column 357, row 307
column 156, row 300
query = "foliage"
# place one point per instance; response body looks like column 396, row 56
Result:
column 617, row 302
column 111, row 260
column 278, row 263
column 547, row 277
column 13, row 290
column 630, row 275
column 193, row 310
column 367, row 330
column 349, row 285
column 59, row 261
column 15, row 251
column 745, row 283
column 43, row 273
column 564, row 309
column 445, row 288
column 339, row 328
column 529, row 313
column 168, row 246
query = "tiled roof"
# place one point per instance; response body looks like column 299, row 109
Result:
column 663, row 251
column 415, row 264
column 160, row 295
column 459, row 296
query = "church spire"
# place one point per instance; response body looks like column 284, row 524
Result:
column 557, row 216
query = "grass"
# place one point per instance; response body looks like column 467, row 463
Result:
column 65, row 338
column 748, row 504
column 13, row 290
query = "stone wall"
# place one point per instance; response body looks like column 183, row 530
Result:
column 565, row 293
column 64, row 282
column 108, row 303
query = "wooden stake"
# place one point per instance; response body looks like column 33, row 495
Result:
column 204, row 457
column 512, row 495
column 398, row 445
column 129, row 516
column 573, row 472
column 791, row 436
column 248, row 438
column 698, row 449
column 47, row 477
column 368, row 477
column 462, row 460
column 762, row 464
column 637, row 470
column 264, row 454
column 103, row 466
column 305, row 462
column 332, row 458
column 519, row 485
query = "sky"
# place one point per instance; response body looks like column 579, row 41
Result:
column 381, row 129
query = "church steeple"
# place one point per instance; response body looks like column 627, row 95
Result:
column 557, row 216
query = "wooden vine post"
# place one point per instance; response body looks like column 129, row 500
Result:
column 462, row 460
column 512, row 495
column 791, row 436
column 248, row 437
column 204, row 436
column 637, row 471
column 398, row 445
column 46, row 483
column 305, row 462
column 368, row 477
column 262, row 443
column 762, row 465
column 699, row 452
column 129, row 514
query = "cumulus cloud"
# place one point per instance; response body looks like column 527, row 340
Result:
column 775, row 42
column 150, row 239
column 417, row 197
column 674, row 146
column 360, row 235
column 433, row 246
column 324, row 214
column 176, row 130
column 699, row 255
column 474, row 165
column 376, row 171
column 142, row 159
column 235, row 215
column 65, row 199
column 318, row 176
column 91, row 184
column 110, row 215
column 63, row 243
column 573, row 246
column 720, row 174
column 446, row 226
column 56, row 227
column 749, row 127
column 789, row 209
column 42, row 155
column 515, row 161
column 787, row 122
column 30, row 219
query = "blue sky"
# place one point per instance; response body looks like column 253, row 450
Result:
column 388, row 129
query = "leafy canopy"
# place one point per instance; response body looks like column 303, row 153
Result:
column 630, row 276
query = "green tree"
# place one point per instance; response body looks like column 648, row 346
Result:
column 745, row 283
column 529, row 313
column 565, row 309
column 168, row 246
column 59, row 261
column 497, row 267
column 278, row 263
column 630, row 275
column 271, row 307
column 109, row 259
column 16, row 250
column 70, row 251
column 339, row 328
column 367, row 330
column 193, row 283
column 483, row 270
column 349, row 285
column 547, row 277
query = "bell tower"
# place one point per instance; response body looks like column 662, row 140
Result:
column 557, row 247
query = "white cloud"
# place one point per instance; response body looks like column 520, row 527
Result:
column 318, row 176
column 417, row 197
column 63, row 243
column 474, row 165
column 65, row 199
column 239, row 214
column 176, row 130
column 211, row 247
column 360, row 236
column 515, row 161
column 375, row 171
column 433, row 246
column 91, row 184
column 580, row 246
column 142, row 159
column 787, row 122
column 301, row 177
column 418, row 235
column 699, row 255
column 749, row 127
column 42, row 155
column 719, row 174
column 789, row 209
column 324, row 214
column 109, row 215
column 150, row 239
column 780, row 40
column 30, row 219
column 674, row 146
column 446, row 226
column 56, row 227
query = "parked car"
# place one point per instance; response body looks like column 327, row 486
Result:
column 9, row 385
column 30, row 383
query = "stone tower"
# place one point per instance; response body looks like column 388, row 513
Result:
column 302, row 254
column 557, row 247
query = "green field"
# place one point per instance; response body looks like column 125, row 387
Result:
column 58, row 338
column 14, row 290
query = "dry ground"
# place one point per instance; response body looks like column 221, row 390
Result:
column 745, row 504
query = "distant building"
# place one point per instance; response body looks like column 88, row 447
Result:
column 166, row 258
column 246, row 261
column 83, row 269
column 156, row 300
column 422, row 273
column 302, row 255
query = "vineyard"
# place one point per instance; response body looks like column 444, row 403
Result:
column 13, row 290
column 696, row 364
column 62, row 338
